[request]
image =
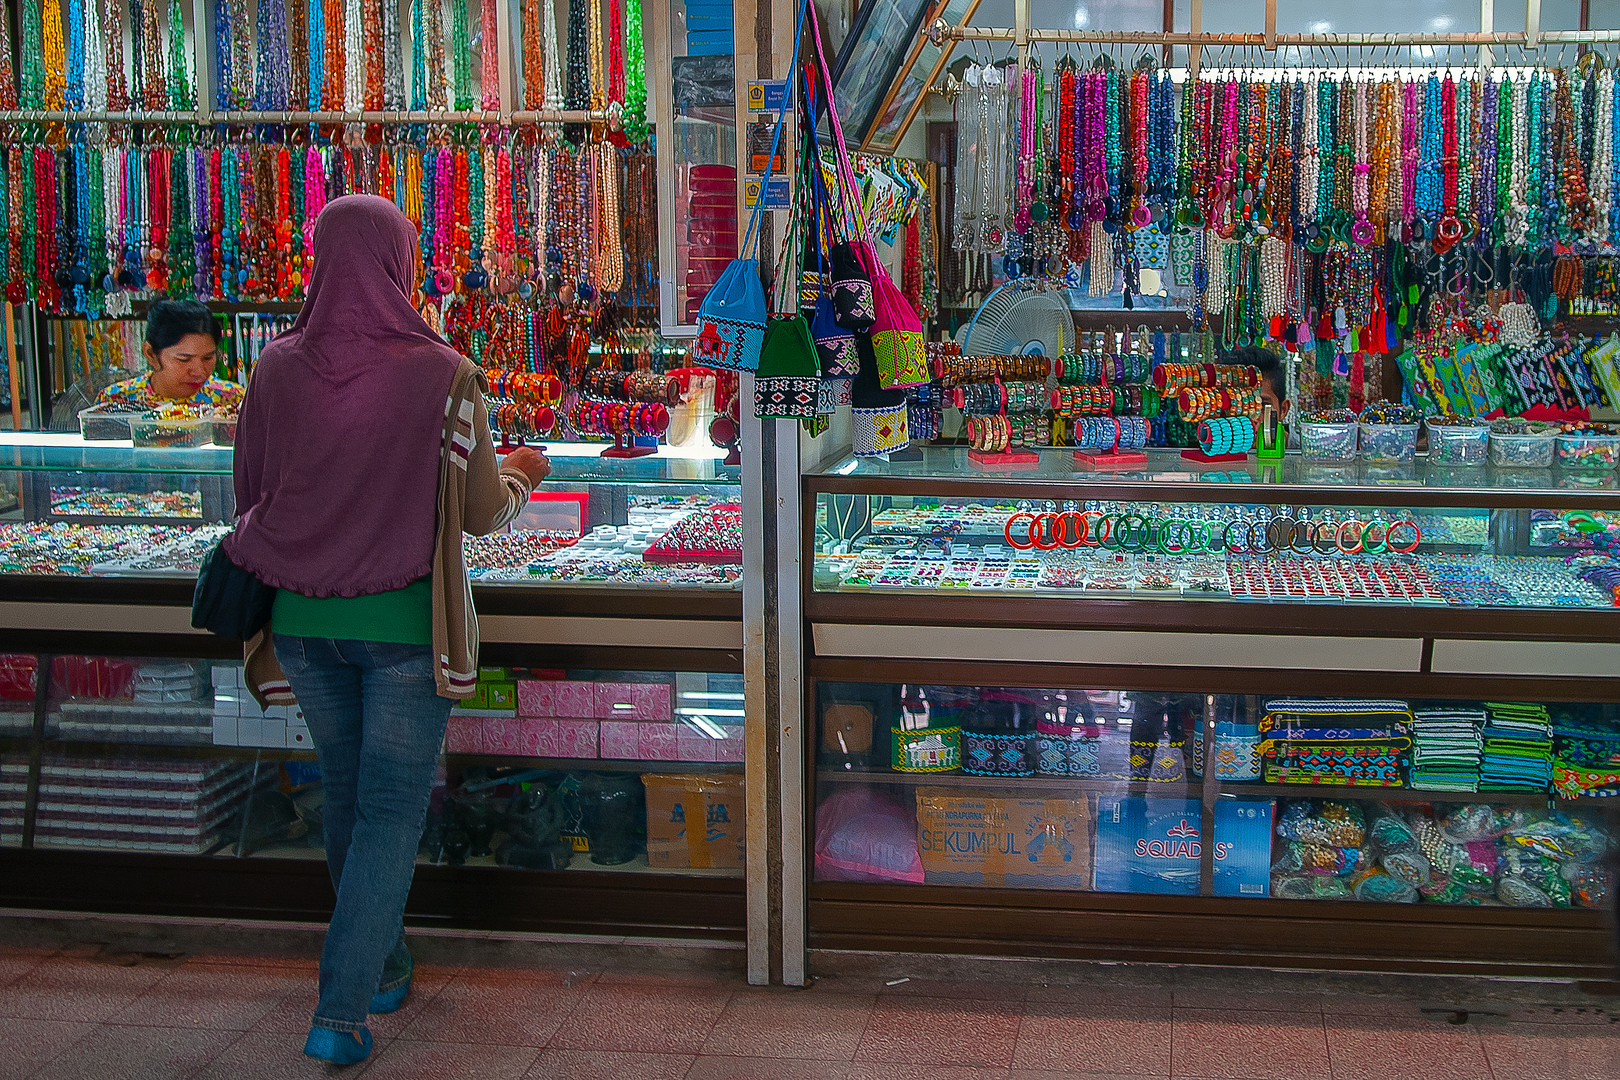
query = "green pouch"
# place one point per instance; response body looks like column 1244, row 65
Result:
column 787, row 385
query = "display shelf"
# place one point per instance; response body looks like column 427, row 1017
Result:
column 44, row 451
column 592, row 764
column 942, row 471
column 1386, row 794
column 1004, row 785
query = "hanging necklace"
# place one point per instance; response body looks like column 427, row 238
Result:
column 461, row 56
column 356, row 55
column 317, row 54
column 55, row 73
column 635, row 75
column 8, row 76
column 534, row 59
column 577, row 96
column 31, row 89
column 615, row 74
column 273, row 66
column 491, row 74
column 438, row 84
column 552, row 62
column 73, row 93
column 95, row 62
column 179, row 77
column 393, row 75
column 376, row 52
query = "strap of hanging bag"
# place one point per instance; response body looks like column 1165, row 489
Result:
column 776, row 136
column 844, row 169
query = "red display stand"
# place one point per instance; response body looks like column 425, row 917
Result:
column 622, row 449
column 1212, row 459
column 1012, row 459
column 1108, row 461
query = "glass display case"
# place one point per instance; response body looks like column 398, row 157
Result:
column 90, row 509
column 608, row 716
column 1167, row 530
column 1163, row 711
column 544, row 771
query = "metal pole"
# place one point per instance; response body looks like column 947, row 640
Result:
column 1532, row 23
column 1354, row 41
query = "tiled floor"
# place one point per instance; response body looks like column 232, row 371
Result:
column 86, row 1014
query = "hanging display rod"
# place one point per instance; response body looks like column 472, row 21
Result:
column 532, row 116
column 941, row 32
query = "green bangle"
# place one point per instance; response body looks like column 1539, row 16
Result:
column 1110, row 532
column 1383, row 540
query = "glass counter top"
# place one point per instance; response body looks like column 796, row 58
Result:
column 68, row 452
column 1166, row 474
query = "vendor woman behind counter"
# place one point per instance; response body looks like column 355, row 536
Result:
column 181, row 349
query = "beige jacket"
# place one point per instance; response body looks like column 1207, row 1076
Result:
column 475, row 496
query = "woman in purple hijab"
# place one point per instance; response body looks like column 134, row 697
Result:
column 363, row 452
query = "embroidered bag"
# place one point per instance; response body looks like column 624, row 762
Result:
column 731, row 319
column 897, row 336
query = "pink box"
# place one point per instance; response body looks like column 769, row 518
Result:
column 694, row 745
column 465, row 735
column 504, row 737
column 548, row 697
column 565, row 738
column 731, row 747
column 633, row 701
column 619, row 740
column 659, row 742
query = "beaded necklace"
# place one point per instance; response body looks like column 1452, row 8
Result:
column 376, row 52
column 336, row 63
column 297, row 18
column 223, row 54
column 393, row 72
column 8, row 75
column 577, row 94
column 95, row 61
column 55, row 71
column 274, row 66
column 438, row 84
column 461, row 56
column 241, row 55
column 355, row 46
column 534, row 60
column 491, row 74
column 73, row 93
column 552, row 63
column 635, row 75
column 32, row 86
column 317, row 53
column 615, row 77
column 179, row 75
column 419, row 72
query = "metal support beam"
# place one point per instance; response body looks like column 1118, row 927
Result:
column 1271, row 25
column 942, row 32
column 1532, row 23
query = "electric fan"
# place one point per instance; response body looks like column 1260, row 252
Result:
column 1019, row 319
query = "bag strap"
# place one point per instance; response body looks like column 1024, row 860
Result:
column 844, row 169
column 776, row 136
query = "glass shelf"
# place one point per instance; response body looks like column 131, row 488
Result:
column 63, row 452
column 1167, row 475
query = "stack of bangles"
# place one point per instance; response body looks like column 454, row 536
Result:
column 1204, row 403
column 619, row 418
column 535, row 387
column 1087, row 400
column 989, row 434
column 633, row 386
column 1103, row 433
column 1174, row 536
column 1130, row 366
column 522, row 419
column 958, row 370
column 1223, row 435
column 1170, row 377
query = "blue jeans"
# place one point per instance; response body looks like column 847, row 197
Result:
column 378, row 722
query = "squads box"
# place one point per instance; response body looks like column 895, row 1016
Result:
column 1150, row 845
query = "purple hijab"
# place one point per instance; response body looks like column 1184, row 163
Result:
column 338, row 443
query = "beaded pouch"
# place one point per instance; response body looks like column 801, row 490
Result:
column 880, row 430
column 926, row 750
column 834, row 344
column 787, row 386
column 997, row 755
column 832, row 395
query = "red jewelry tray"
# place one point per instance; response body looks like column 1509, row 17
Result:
column 1012, row 459
column 1212, row 459
column 712, row 558
column 1108, row 461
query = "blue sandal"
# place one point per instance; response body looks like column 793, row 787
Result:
column 387, row 1001
column 338, row 1047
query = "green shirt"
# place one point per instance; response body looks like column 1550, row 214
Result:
column 403, row 615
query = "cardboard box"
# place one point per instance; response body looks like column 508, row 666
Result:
column 694, row 820
column 694, row 745
column 620, row 740
column 633, row 701
column 977, row 839
column 500, row 695
column 555, row 737
column 464, row 735
column 1243, row 831
column 1148, row 845
column 555, row 697
column 658, row 742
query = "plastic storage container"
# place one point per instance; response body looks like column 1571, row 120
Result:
column 1458, row 444
column 1521, row 444
column 101, row 424
column 171, row 432
column 1328, row 441
column 1588, row 451
column 1388, row 444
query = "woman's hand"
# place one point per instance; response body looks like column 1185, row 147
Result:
column 530, row 462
